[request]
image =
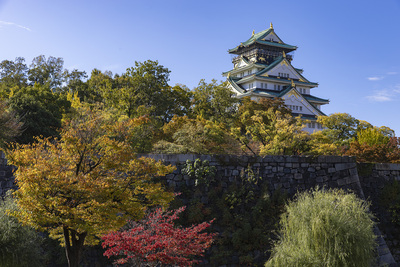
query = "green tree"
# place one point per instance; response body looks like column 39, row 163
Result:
column 321, row 144
column 100, row 84
column 214, row 101
column 10, row 126
column 282, row 136
column 254, row 124
column 325, row 228
column 13, row 73
column 185, row 135
column 341, row 128
column 142, row 85
column 86, row 183
column 20, row 246
column 372, row 136
column 40, row 110
column 75, row 82
column 47, row 71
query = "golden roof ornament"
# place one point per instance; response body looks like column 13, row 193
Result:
column 271, row 26
column 252, row 33
column 293, row 85
column 283, row 54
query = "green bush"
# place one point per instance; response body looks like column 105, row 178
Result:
column 325, row 228
column 19, row 245
column 390, row 200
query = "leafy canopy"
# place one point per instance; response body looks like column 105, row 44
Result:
column 88, row 182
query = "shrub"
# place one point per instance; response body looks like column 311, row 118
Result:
column 19, row 245
column 325, row 228
column 156, row 240
column 390, row 200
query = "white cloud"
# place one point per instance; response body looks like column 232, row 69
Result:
column 12, row 24
column 375, row 78
column 397, row 88
column 381, row 96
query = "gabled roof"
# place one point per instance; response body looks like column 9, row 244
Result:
column 259, row 38
column 278, row 61
column 248, row 66
column 269, row 67
column 298, row 94
column 271, row 93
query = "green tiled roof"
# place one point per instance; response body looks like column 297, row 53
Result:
column 258, row 38
column 317, row 99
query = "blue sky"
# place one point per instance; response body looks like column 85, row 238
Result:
column 351, row 48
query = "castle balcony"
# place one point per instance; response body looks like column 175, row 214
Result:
column 266, row 57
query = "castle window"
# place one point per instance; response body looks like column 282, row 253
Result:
column 301, row 108
column 262, row 85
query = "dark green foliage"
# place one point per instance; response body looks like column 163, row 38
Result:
column 245, row 213
column 214, row 101
column 10, row 127
column 20, row 245
column 365, row 169
column 48, row 72
column 325, row 228
column 40, row 110
column 200, row 171
column 390, row 199
column 13, row 73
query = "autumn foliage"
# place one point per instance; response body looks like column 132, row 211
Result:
column 86, row 183
column 156, row 240
column 384, row 152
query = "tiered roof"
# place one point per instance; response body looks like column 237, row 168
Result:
column 250, row 57
column 260, row 38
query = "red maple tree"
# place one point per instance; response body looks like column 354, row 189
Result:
column 156, row 240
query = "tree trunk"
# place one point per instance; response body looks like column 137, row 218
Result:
column 73, row 246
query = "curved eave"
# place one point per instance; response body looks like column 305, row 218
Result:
column 316, row 100
column 235, row 85
column 244, row 68
column 285, row 81
column 258, row 38
column 280, row 45
column 289, row 48
column 306, row 116
column 256, row 94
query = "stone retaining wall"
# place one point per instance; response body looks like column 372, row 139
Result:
column 373, row 178
column 288, row 173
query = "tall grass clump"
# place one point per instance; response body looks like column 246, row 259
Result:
column 325, row 227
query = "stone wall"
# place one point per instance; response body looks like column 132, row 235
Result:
column 290, row 173
column 373, row 179
column 295, row 173
column 287, row 173
column 6, row 175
